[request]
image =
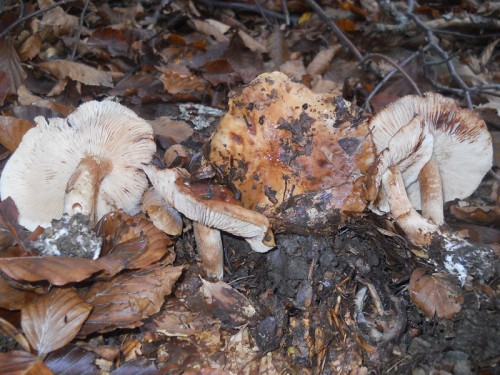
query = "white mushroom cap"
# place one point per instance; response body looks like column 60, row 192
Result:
column 462, row 145
column 37, row 174
column 203, row 207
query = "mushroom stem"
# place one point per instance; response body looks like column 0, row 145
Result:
column 415, row 226
column 431, row 192
column 83, row 186
column 209, row 244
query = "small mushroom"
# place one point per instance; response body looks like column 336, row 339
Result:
column 295, row 156
column 163, row 216
column 88, row 163
column 441, row 151
column 211, row 205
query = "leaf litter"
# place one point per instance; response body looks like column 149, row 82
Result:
column 350, row 302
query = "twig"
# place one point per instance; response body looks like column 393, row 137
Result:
column 388, row 76
column 284, row 8
column 244, row 7
column 432, row 42
column 79, row 32
column 336, row 30
column 263, row 14
column 396, row 66
column 31, row 15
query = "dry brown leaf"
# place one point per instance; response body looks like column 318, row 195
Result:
column 251, row 43
column 13, row 332
column 128, row 298
column 322, row 60
column 57, row 22
column 85, row 74
column 53, row 320
column 181, row 323
column 11, row 65
column 18, row 362
column 435, row 294
column 72, row 359
column 210, row 29
column 54, row 269
column 4, row 86
column 30, row 47
column 12, row 131
column 278, row 49
column 175, row 130
column 224, row 302
column 294, row 69
column 182, row 86
column 25, row 97
column 123, row 233
column 12, row 298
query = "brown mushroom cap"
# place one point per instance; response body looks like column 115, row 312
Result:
column 211, row 205
column 282, row 145
column 104, row 133
column 462, row 145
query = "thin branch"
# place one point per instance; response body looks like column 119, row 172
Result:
column 432, row 42
column 396, row 66
column 336, row 30
column 21, row 20
column 79, row 32
column 284, row 8
column 244, row 7
column 389, row 75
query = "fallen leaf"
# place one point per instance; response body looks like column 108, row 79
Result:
column 12, row 298
column 72, row 359
column 57, row 22
column 435, row 294
column 278, row 49
column 30, row 47
column 251, row 43
column 9, row 223
column 175, row 130
column 224, row 302
column 182, row 86
column 12, row 131
column 85, row 74
column 122, row 235
column 128, row 298
column 11, row 65
column 208, row 28
column 4, row 86
column 53, row 320
column 116, row 42
column 19, row 362
column 322, row 60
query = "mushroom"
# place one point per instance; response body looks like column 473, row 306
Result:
column 89, row 163
column 293, row 155
column 441, row 151
column 212, row 206
column 163, row 216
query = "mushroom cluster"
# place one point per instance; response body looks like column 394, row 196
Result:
column 306, row 160
column 293, row 155
column 89, row 163
column 429, row 151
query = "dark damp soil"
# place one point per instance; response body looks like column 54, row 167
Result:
column 340, row 304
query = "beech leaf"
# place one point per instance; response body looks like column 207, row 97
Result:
column 53, row 320
column 128, row 298
column 12, row 131
column 19, row 362
column 85, row 74
column 435, row 294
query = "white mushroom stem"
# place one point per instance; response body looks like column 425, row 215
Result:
column 210, row 250
column 83, row 186
column 419, row 230
column 431, row 192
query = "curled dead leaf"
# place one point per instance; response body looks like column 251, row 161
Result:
column 79, row 72
column 128, row 298
column 435, row 294
column 12, row 131
column 53, row 320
